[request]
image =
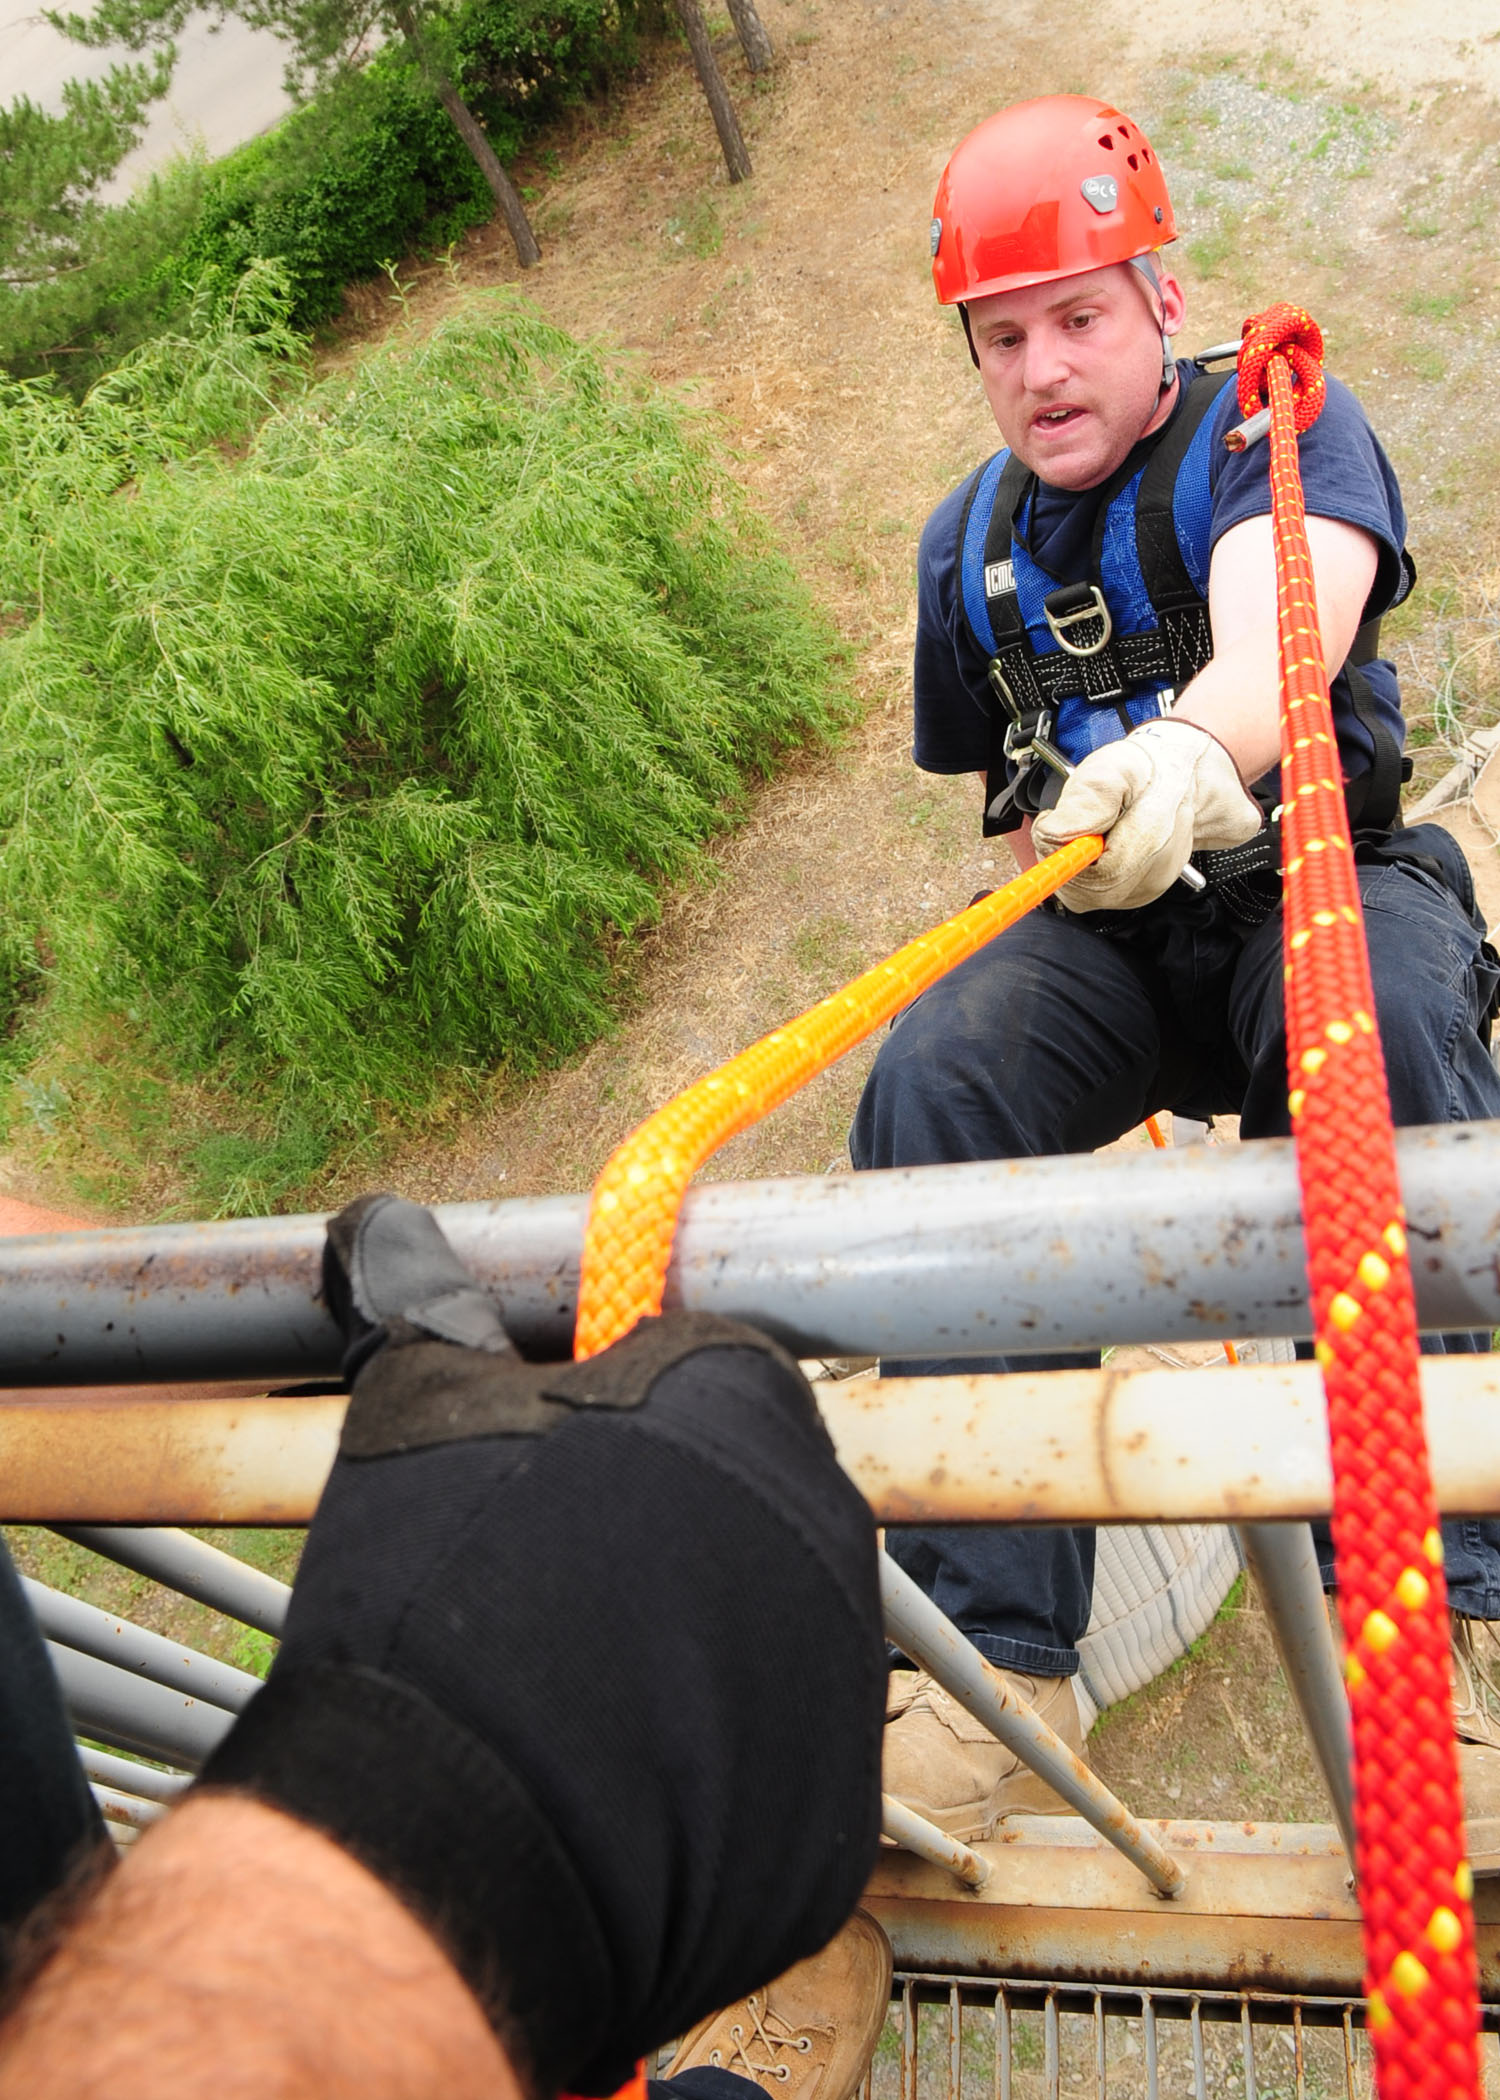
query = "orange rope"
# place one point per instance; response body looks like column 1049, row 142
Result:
column 633, row 1214
column 1414, row 1880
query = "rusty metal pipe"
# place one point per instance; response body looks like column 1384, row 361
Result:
column 1037, row 1255
column 89, row 1460
column 913, row 1833
column 1212, row 1445
column 1248, row 433
column 1268, row 1910
column 130, row 1809
column 917, row 1627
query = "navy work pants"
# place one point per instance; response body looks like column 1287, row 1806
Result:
column 1062, row 1035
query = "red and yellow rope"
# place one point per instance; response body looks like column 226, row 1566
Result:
column 1414, row 1881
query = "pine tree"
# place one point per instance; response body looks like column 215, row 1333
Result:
column 56, row 164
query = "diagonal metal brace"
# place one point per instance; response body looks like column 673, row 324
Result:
column 916, row 1626
column 913, row 1833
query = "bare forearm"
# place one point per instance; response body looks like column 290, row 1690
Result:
column 1237, row 695
column 237, row 1952
column 1236, row 699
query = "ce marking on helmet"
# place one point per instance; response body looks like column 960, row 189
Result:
column 1102, row 191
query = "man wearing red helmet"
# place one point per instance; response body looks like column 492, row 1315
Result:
column 1096, row 636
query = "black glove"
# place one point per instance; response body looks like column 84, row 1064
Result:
column 584, row 1660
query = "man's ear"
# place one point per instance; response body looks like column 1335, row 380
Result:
column 1173, row 302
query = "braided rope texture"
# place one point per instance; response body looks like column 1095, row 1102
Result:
column 1414, row 1881
column 633, row 1213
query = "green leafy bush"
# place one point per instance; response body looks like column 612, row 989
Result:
column 367, row 170
column 524, row 61
column 343, row 763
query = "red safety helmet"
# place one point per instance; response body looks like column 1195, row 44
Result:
column 1046, row 189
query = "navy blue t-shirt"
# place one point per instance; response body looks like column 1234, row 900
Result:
column 1345, row 475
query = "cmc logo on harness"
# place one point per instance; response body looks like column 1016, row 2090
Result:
column 999, row 577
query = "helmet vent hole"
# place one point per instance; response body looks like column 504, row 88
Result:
column 1124, row 130
column 1146, row 155
column 1133, row 161
column 1107, row 143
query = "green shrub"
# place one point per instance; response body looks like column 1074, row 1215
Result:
column 524, row 61
column 341, row 765
column 369, row 169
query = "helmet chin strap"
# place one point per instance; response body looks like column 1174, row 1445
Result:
column 1146, row 265
column 963, row 315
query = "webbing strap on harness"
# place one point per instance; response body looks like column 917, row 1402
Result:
column 1181, row 643
column 1414, row 1881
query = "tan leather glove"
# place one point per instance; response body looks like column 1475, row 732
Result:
column 1158, row 795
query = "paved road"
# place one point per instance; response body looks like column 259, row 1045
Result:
column 227, row 86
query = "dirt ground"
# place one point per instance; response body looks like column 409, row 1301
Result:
column 1322, row 151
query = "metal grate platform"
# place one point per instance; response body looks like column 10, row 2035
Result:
column 950, row 2038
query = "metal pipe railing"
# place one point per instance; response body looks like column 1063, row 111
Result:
column 1038, row 1255
column 1044, row 1447
column 126, row 1776
column 192, row 1567
column 913, row 1833
column 130, row 1809
column 922, row 1632
column 132, row 1713
column 71, row 1623
column 1282, row 1559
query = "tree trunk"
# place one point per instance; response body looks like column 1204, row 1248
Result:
column 736, row 158
column 471, row 131
column 759, row 53
column 503, row 190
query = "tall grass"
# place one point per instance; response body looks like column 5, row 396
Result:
column 341, row 764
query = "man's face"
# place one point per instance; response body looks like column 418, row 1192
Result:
column 1072, row 369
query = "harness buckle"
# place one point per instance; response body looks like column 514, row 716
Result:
column 1025, row 734
column 1069, row 608
column 1000, row 686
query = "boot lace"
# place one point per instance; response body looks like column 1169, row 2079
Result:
column 769, row 2036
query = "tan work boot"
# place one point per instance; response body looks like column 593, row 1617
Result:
column 1475, row 1651
column 948, row 1767
column 810, row 2034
